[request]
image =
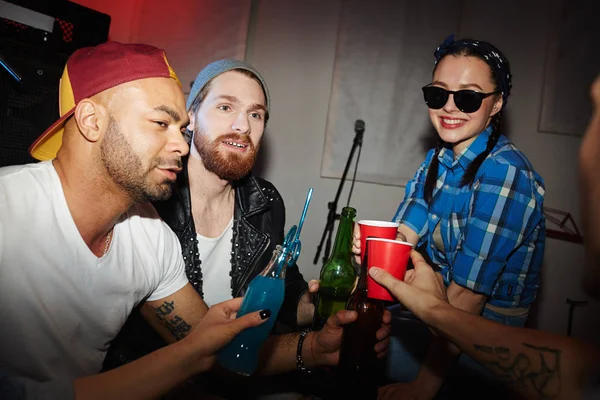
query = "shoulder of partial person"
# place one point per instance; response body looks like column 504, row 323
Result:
column 429, row 155
column 26, row 179
column 508, row 158
column 269, row 190
column 23, row 170
column 426, row 162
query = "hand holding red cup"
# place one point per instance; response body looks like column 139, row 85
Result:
column 378, row 229
column 390, row 255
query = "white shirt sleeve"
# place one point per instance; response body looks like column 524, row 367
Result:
column 172, row 273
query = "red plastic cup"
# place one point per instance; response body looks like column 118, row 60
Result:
column 378, row 229
column 390, row 255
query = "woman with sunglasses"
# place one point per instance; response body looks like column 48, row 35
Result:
column 475, row 204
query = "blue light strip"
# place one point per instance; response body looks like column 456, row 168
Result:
column 10, row 70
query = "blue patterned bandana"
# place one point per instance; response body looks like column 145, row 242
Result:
column 493, row 57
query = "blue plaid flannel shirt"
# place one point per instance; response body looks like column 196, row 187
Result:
column 493, row 232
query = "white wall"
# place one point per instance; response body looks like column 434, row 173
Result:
column 293, row 44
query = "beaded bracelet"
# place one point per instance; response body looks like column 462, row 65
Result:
column 299, row 361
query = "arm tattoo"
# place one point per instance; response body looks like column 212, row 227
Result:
column 537, row 368
column 175, row 324
column 486, row 349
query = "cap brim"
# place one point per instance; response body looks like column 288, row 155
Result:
column 47, row 144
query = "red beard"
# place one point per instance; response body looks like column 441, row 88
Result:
column 226, row 165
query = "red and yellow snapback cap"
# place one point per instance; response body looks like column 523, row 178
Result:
column 91, row 70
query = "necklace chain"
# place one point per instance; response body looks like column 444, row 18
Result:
column 108, row 236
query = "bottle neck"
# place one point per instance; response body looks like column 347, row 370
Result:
column 276, row 267
column 362, row 280
column 362, row 277
column 343, row 238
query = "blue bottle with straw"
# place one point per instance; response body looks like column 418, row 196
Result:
column 266, row 291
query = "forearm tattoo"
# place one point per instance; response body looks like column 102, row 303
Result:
column 174, row 323
column 536, row 368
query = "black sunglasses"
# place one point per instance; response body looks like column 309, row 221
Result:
column 467, row 101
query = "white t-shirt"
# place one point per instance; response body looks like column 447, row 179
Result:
column 60, row 305
column 215, row 258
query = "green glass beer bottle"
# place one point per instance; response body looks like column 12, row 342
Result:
column 338, row 275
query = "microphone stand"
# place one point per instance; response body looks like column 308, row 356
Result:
column 355, row 170
column 332, row 215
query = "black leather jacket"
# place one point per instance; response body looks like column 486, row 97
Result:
column 258, row 227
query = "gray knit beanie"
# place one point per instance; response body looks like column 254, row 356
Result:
column 215, row 69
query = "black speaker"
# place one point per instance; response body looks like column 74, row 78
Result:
column 30, row 105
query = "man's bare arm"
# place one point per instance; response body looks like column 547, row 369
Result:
column 535, row 364
column 442, row 354
column 147, row 377
column 153, row 375
column 174, row 317
column 321, row 348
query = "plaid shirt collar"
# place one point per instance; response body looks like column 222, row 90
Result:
column 446, row 155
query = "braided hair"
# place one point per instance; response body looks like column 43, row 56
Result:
column 500, row 75
column 432, row 172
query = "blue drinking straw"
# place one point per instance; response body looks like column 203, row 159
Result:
column 291, row 245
